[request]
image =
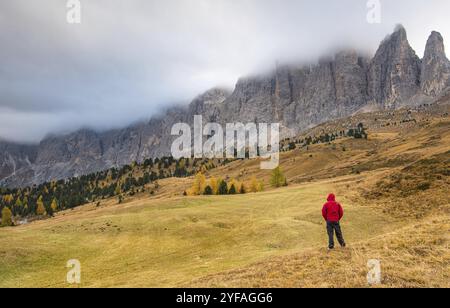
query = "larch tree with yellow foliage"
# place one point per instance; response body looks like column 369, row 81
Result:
column 8, row 198
column 261, row 186
column 278, row 179
column 40, row 210
column 234, row 183
column 54, row 205
column 6, row 217
column 199, row 185
column 19, row 203
column 254, row 185
column 214, row 184
column 118, row 190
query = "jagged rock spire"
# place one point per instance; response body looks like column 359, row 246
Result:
column 394, row 73
column 435, row 66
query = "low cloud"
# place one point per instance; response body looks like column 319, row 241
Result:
column 129, row 59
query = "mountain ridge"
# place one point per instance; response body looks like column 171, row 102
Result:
column 297, row 97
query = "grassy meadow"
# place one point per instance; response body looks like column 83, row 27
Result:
column 274, row 238
column 166, row 243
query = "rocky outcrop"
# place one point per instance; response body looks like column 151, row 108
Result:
column 435, row 67
column 14, row 157
column 351, row 82
column 297, row 97
column 394, row 72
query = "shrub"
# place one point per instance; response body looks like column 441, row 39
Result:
column 424, row 186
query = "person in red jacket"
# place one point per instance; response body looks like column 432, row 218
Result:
column 333, row 212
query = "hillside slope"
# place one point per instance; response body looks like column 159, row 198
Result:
column 274, row 238
column 415, row 256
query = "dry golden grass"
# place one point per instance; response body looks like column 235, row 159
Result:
column 413, row 256
column 416, row 190
column 168, row 242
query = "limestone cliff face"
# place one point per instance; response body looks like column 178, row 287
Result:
column 435, row 67
column 394, row 72
column 297, row 97
column 14, row 157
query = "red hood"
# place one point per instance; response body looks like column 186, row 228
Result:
column 331, row 197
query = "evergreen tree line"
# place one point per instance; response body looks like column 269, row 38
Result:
column 51, row 197
column 358, row 133
column 213, row 186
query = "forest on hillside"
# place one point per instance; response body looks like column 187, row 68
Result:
column 45, row 200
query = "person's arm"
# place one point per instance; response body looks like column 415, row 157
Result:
column 341, row 212
column 324, row 212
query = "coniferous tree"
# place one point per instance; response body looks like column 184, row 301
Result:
column 46, row 198
column 213, row 183
column 118, row 190
column 18, row 207
column 6, row 217
column 223, row 188
column 261, row 186
column 199, row 184
column 54, row 205
column 40, row 210
column 278, row 179
column 208, row 191
column 232, row 190
column 254, row 185
column 242, row 189
column 18, row 202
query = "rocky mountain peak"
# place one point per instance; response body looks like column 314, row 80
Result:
column 394, row 73
column 215, row 95
column 208, row 104
column 435, row 45
column 399, row 34
column 296, row 96
column 435, row 66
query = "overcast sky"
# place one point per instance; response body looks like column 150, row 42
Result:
column 128, row 59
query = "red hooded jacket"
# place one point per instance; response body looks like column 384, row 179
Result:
column 332, row 211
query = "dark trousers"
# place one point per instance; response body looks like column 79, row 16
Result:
column 333, row 227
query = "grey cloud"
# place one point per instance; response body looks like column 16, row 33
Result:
column 128, row 59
